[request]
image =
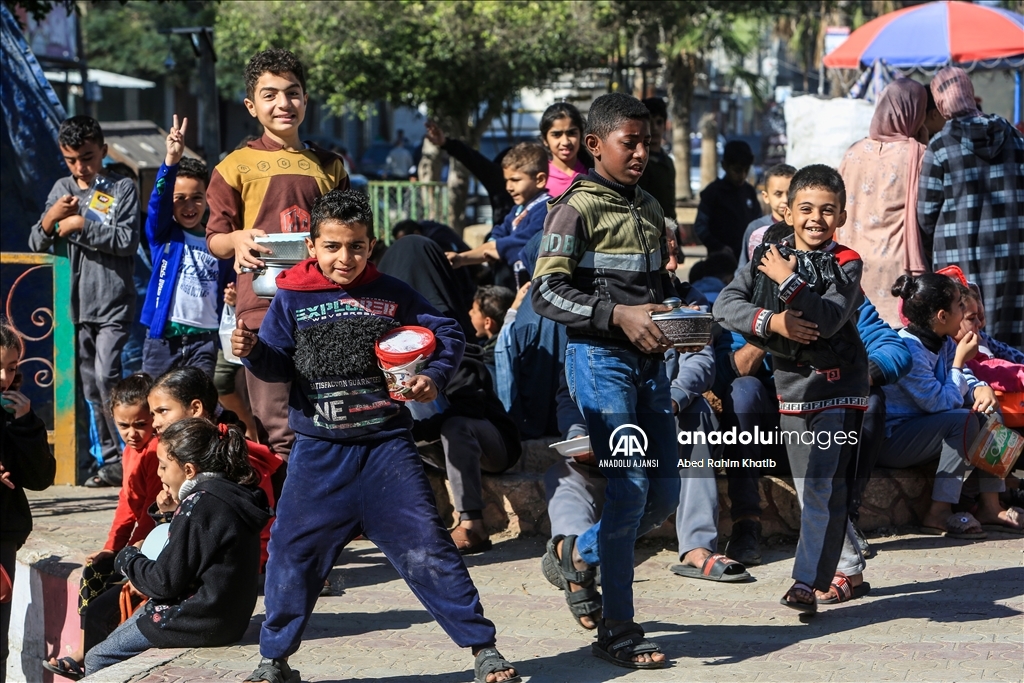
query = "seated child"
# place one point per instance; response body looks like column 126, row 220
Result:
column 189, row 392
column 490, row 303
column 139, row 489
column 710, row 276
column 476, row 435
column 774, row 194
column 823, row 387
column 526, row 175
column 213, row 544
column 26, row 463
column 181, row 308
column 935, row 410
column 1002, row 374
column 354, row 466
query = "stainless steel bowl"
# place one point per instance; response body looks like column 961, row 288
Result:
column 685, row 326
column 264, row 280
column 289, row 249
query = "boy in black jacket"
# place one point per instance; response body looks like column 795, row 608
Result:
column 354, row 468
column 823, row 390
column 25, row 463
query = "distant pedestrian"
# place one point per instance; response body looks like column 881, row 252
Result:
column 729, row 204
column 971, row 202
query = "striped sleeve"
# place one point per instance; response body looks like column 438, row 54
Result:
column 554, row 295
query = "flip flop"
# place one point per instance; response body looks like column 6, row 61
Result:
column 1016, row 516
column 715, row 568
column 66, row 667
column 802, row 607
column 845, row 591
column 957, row 526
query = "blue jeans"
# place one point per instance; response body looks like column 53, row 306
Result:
column 614, row 386
column 124, row 643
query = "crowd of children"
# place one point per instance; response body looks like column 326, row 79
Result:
column 583, row 257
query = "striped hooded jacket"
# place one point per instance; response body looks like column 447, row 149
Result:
column 604, row 244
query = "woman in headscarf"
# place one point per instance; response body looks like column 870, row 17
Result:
column 881, row 173
column 420, row 263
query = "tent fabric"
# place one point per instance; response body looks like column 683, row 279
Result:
column 31, row 159
column 932, row 35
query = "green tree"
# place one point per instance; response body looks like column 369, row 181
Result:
column 463, row 59
column 684, row 32
column 123, row 36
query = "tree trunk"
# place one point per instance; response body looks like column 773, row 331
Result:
column 680, row 75
column 429, row 169
column 458, row 175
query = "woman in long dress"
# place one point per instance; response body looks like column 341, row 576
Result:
column 881, row 173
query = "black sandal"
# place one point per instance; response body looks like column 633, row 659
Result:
column 489, row 661
column 66, row 667
column 802, row 607
column 560, row 572
column 274, row 671
column 621, row 643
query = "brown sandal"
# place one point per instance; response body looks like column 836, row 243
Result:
column 468, row 542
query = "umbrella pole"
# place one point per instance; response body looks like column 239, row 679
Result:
column 1016, row 96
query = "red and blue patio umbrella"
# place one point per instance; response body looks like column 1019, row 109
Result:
column 934, row 35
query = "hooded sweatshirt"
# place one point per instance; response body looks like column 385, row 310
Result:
column 320, row 336
column 971, row 213
column 203, row 585
column 26, row 454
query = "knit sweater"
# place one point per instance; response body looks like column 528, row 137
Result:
column 320, row 336
column 202, row 587
column 933, row 385
column 604, row 244
column 801, row 387
column 269, row 188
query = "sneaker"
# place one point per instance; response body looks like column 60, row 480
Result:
column 745, row 544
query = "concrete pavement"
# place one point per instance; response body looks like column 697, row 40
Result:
column 939, row 610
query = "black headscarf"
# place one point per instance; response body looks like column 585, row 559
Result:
column 420, row 263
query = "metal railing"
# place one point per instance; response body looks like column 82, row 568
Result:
column 397, row 200
column 49, row 336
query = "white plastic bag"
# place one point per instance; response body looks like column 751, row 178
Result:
column 228, row 322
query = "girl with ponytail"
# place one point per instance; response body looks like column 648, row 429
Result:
column 202, row 587
column 936, row 410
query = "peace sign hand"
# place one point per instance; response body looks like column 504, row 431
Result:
column 176, row 141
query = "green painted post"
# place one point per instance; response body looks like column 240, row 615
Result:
column 65, row 439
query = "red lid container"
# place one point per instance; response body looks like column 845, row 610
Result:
column 404, row 344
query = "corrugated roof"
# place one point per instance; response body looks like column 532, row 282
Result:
column 105, row 79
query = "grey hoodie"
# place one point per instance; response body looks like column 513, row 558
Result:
column 102, row 254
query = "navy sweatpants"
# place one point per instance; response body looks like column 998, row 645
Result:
column 335, row 492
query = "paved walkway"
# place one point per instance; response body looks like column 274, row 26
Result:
column 939, row 610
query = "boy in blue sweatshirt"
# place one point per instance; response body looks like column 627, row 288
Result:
column 354, row 468
column 183, row 297
column 526, row 175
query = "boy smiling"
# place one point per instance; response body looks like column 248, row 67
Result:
column 354, row 467
column 601, row 273
column 823, row 386
column 265, row 188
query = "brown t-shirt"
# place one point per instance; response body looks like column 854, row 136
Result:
column 272, row 189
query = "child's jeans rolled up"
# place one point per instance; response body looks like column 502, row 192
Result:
column 613, row 387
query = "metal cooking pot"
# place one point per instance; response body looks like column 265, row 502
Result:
column 684, row 326
column 289, row 249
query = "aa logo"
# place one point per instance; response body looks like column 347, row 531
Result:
column 628, row 441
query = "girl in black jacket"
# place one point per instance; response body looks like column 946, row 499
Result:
column 25, row 463
column 202, row 587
